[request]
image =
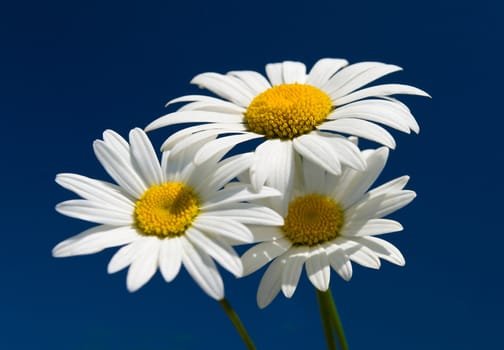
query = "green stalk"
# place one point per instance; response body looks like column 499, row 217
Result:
column 233, row 316
column 336, row 321
column 326, row 315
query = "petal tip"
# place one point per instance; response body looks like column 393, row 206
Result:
column 262, row 304
column 58, row 252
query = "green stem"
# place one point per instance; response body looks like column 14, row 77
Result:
column 336, row 321
column 325, row 315
column 233, row 316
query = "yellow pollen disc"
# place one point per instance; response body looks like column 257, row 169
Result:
column 288, row 110
column 313, row 219
column 166, row 210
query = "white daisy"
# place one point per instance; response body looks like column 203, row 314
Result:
column 295, row 112
column 166, row 215
column 330, row 220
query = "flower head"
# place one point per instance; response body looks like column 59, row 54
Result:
column 164, row 214
column 329, row 221
column 295, row 113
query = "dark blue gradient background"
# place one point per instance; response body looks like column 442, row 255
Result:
column 69, row 70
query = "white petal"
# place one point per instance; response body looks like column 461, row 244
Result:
column 353, row 187
column 219, row 128
column 323, row 70
column 95, row 240
column 407, row 113
column 379, row 111
column 378, row 206
column 364, row 77
column 348, row 152
column 194, row 117
column 274, row 72
column 360, row 128
column 246, row 213
column 295, row 259
column 315, row 148
column 262, row 253
column 340, row 263
column 222, row 226
column 270, row 284
column 255, row 81
column 259, row 233
column 95, row 212
column 314, row 177
column 227, row 170
column 281, row 175
column 265, row 233
column 262, row 164
column 217, row 249
column 144, row 265
column 391, row 205
column 211, row 107
column 228, row 106
column 274, row 165
column 224, row 86
column 203, row 270
column 180, row 165
column 293, row 72
column 237, row 193
column 244, row 177
column 380, row 91
column 125, row 256
column 371, row 227
column 206, row 176
column 364, row 256
column 346, row 75
column 170, row 258
column 317, row 268
column 217, row 105
column 222, row 146
column 187, row 146
column 96, row 191
column 116, row 143
column 144, row 157
column 165, row 155
column 393, row 185
column 383, row 249
column 120, row 170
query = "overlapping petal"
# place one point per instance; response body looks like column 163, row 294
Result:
column 355, row 241
column 221, row 213
column 358, row 110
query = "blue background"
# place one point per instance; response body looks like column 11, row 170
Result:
column 69, row 70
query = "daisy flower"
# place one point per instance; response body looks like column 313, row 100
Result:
column 330, row 221
column 164, row 214
column 294, row 112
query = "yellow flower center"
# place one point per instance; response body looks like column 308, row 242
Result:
column 313, row 219
column 288, row 110
column 166, row 210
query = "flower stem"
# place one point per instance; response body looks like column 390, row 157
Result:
column 326, row 314
column 233, row 316
column 336, row 321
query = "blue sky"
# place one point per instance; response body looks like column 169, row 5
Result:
column 71, row 70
